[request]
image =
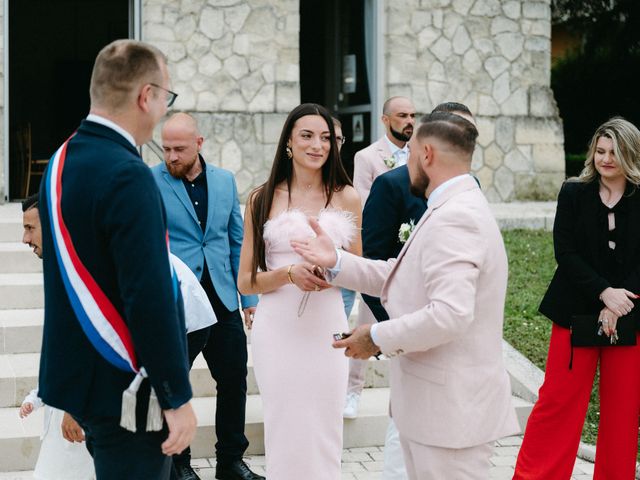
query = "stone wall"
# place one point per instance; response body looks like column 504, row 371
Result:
column 2, row 103
column 493, row 56
column 235, row 67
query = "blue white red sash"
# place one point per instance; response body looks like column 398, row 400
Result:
column 99, row 319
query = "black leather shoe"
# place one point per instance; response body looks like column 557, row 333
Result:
column 237, row 470
column 185, row 472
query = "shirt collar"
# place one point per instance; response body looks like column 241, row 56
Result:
column 393, row 148
column 92, row 117
column 443, row 186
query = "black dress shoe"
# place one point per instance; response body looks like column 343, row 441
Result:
column 237, row 470
column 185, row 472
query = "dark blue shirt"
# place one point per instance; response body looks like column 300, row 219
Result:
column 198, row 194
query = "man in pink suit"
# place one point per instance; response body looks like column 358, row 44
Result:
column 450, row 393
column 392, row 150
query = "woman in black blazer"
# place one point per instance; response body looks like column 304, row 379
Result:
column 596, row 238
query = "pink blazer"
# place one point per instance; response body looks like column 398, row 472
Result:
column 368, row 163
column 445, row 295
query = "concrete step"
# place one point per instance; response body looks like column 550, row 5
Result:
column 21, row 330
column 11, row 229
column 20, row 438
column 16, row 257
column 19, row 375
column 21, row 290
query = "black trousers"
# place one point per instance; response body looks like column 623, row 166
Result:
column 118, row 453
column 226, row 355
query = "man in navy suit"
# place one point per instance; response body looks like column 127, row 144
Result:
column 205, row 232
column 115, row 218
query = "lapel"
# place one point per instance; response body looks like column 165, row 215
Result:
column 178, row 188
column 455, row 189
column 382, row 147
column 212, row 193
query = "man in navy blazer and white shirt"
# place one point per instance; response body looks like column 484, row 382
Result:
column 116, row 221
column 205, row 232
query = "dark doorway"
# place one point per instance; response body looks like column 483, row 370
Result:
column 336, row 66
column 52, row 46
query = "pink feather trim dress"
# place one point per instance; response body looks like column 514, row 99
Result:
column 302, row 379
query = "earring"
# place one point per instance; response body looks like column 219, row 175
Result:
column 289, row 152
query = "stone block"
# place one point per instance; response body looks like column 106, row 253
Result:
column 462, row 6
column 198, row 45
column 242, row 44
column 516, row 104
column 504, row 182
column 187, row 98
column 292, row 24
column 493, row 156
column 472, row 62
column 492, row 196
column 531, row 130
column 244, row 181
column 519, row 159
column 265, row 99
column 483, row 45
column 268, row 71
column 541, row 102
column 451, row 23
column 496, row 65
column 510, row 45
column 538, row 44
column 461, row 41
column 486, row 130
column 174, row 51
column 170, row 14
column 502, row 25
column 251, row 85
column 184, row 28
column 538, row 186
column 261, row 22
column 152, row 14
column 399, row 22
column 212, row 23
column 548, row 157
column 236, row 66
column 420, row 20
column 485, row 177
column 511, row 9
column 477, row 161
column 442, row 49
column 234, row 17
column 437, row 17
column 487, row 106
column 188, row 7
column 436, row 71
column 287, row 96
column 209, row 65
column 438, row 91
column 233, row 102
column 501, row 88
column 157, row 31
column 186, row 69
column 231, row 156
column 536, row 10
column 505, row 133
column 471, row 101
column 486, row 8
column 202, row 83
column 207, row 102
column 222, row 3
column 223, row 47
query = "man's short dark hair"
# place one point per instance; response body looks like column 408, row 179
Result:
column 451, row 107
column 451, row 128
column 29, row 203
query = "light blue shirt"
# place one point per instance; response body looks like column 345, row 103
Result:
column 400, row 154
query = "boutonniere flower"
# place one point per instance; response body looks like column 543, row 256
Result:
column 405, row 231
column 390, row 161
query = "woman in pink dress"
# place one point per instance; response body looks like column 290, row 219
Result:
column 302, row 379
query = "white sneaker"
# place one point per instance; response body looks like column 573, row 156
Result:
column 351, row 405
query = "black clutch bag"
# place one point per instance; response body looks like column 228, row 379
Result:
column 586, row 331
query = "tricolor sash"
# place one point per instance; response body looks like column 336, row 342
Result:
column 99, row 319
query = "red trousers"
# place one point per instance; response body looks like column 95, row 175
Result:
column 553, row 431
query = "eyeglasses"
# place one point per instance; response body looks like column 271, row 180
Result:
column 171, row 96
column 340, row 140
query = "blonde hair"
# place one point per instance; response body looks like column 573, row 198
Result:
column 120, row 68
column 626, row 146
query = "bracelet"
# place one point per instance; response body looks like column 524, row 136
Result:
column 289, row 273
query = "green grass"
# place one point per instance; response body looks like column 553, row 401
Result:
column 531, row 266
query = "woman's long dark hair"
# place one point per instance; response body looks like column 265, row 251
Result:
column 334, row 178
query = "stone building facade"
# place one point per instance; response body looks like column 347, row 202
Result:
column 236, row 67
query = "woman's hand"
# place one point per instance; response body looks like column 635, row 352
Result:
column 26, row 409
column 618, row 300
column 304, row 278
column 609, row 321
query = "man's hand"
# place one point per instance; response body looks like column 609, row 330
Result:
column 182, row 428
column 319, row 250
column 359, row 344
column 26, row 409
column 248, row 316
column 71, row 431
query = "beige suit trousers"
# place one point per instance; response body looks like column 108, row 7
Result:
column 426, row 462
